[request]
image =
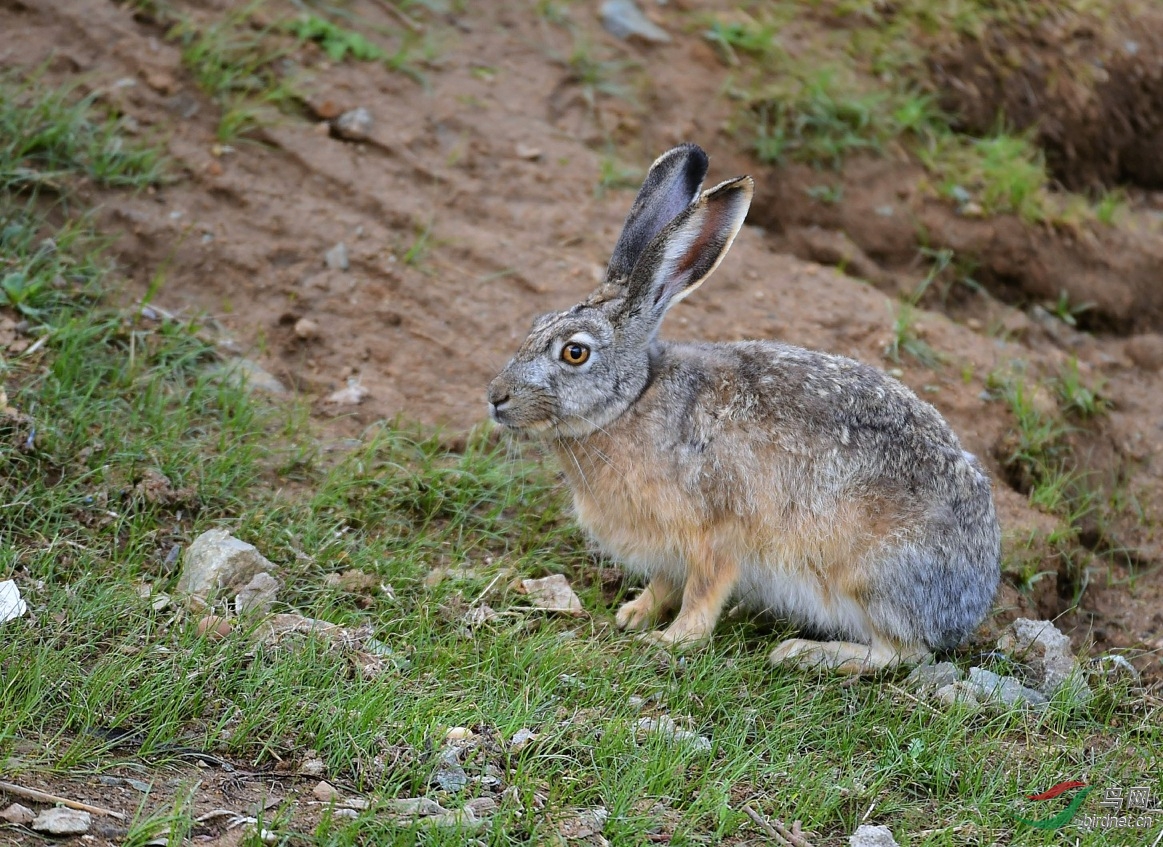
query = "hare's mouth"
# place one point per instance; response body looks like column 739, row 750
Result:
column 504, row 417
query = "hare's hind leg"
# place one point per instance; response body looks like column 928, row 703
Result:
column 657, row 598
column 844, row 656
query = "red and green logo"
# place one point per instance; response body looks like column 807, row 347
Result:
column 1066, row 815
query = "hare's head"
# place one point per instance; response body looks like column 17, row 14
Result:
column 580, row 369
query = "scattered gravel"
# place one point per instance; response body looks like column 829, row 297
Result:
column 987, row 685
column 1046, row 654
column 934, row 676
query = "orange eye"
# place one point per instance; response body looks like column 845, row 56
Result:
column 574, row 353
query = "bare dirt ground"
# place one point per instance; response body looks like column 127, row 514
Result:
column 473, row 207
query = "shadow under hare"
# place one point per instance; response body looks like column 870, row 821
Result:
column 793, row 482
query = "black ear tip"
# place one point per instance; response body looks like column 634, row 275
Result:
column 695, row 164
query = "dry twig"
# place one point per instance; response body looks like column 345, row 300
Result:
column 777, row 830
column 43, row 797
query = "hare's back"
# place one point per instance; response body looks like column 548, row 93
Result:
column 804, row 402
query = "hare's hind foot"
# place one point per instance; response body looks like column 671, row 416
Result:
column 844, row 656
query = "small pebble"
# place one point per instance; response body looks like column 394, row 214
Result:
column 623, row 19
column 213, row 627
column 306, row 329
column 336, row 257
column 666, row 728
column 354, row 125
column 325, row 792
column 312, row 767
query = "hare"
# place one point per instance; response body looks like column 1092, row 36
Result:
column 789, row 481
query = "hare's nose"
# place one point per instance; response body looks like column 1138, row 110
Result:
column 498, row 399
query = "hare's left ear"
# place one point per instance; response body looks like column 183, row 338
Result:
column 671, row 185
column 685, row 253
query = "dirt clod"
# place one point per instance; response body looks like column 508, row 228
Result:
column 1146, row 351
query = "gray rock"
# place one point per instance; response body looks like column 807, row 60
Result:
column 250, row 375
column 336, row 258
column 19, row 815
column 258, row 595
column 956, row 693
column 867, row 835
column 449, row 775
column 416, row 807
column 666, row 728
column 623, row 19
column 62, row 821
column 354, row 125
column 482, row 807
column 987, row 686
column 1040, row 647
column 459, row 819
column 218, row 564
column 934, row 676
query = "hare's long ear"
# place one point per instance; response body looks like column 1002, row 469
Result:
column 672, row 183
column 684, row 254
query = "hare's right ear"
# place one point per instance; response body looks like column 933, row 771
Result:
column 671, row 185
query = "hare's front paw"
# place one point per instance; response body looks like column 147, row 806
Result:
column 637, row 613
column 684, row 632
column 656, row 599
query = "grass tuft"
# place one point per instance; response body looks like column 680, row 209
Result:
column 49, row 139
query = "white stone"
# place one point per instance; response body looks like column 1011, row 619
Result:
column 12, row 605
column 666, row 728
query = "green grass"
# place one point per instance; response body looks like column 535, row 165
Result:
column 252, row 70
column 1041, row 461
column 905, row 339
column 49, row 140
column 236, row 64
column 335, row 41
column 1002, row 174
column 111, row 399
